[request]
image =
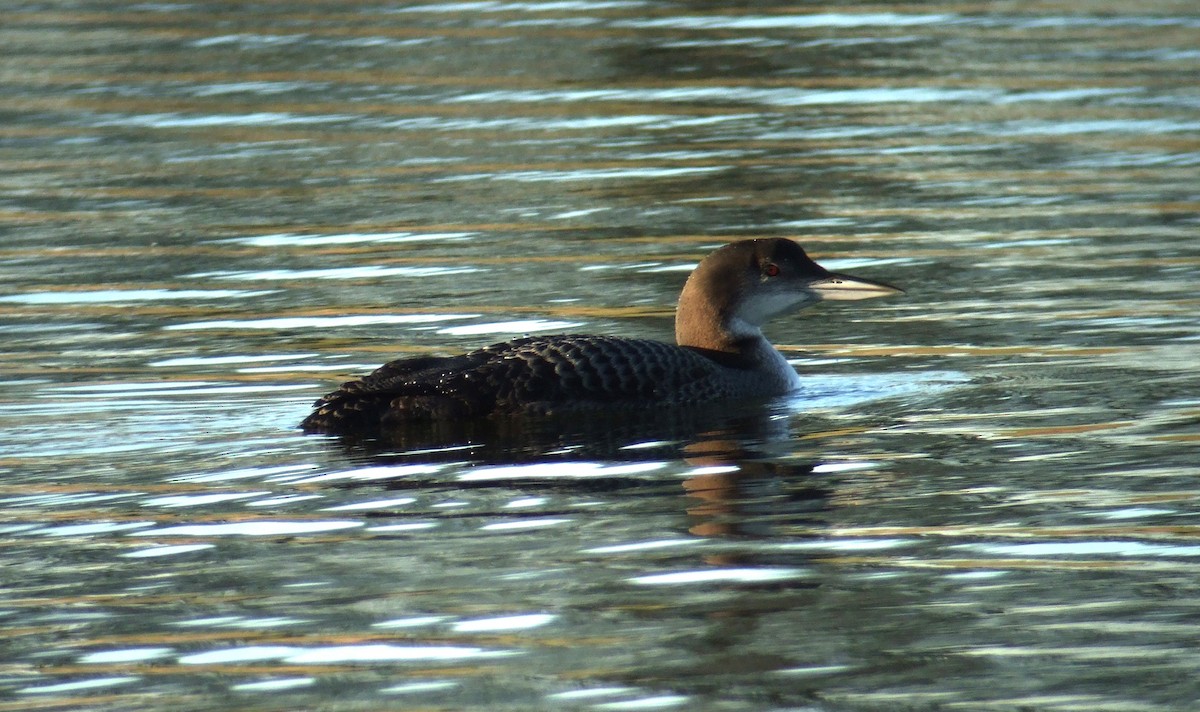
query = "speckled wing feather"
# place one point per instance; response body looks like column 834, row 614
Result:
column 530, row 375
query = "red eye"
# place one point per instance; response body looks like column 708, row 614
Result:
column 771, row 269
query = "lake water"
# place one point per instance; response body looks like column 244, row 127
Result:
column 985, row 498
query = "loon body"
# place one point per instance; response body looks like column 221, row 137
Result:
column 721, row 353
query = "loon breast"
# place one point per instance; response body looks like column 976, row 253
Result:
column 721, row 354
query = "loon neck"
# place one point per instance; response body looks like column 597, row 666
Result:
column 721, row 338
column 707, row 321
column 735, row 348
column 711, row 316
column 744, row 349
column 704, row 323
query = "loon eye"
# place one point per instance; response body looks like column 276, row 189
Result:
column 771, row 269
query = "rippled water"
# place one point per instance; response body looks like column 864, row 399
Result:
column 985, row 498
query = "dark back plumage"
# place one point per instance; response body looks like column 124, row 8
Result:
column 540, row 374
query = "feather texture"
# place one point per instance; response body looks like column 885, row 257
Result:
column 532, row 375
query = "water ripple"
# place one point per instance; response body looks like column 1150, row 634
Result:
column 259, row 528
column 787, row 21
column 117, row 296
column 994, row 474
column 320, row 322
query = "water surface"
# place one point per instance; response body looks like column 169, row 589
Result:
column 984, row 499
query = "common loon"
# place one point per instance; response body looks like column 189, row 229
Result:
column 722, row 353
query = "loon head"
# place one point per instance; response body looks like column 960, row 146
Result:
column 738, row 288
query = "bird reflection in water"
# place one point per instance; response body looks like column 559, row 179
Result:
column 746, row 482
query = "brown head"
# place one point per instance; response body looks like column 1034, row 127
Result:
column 739, row 287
